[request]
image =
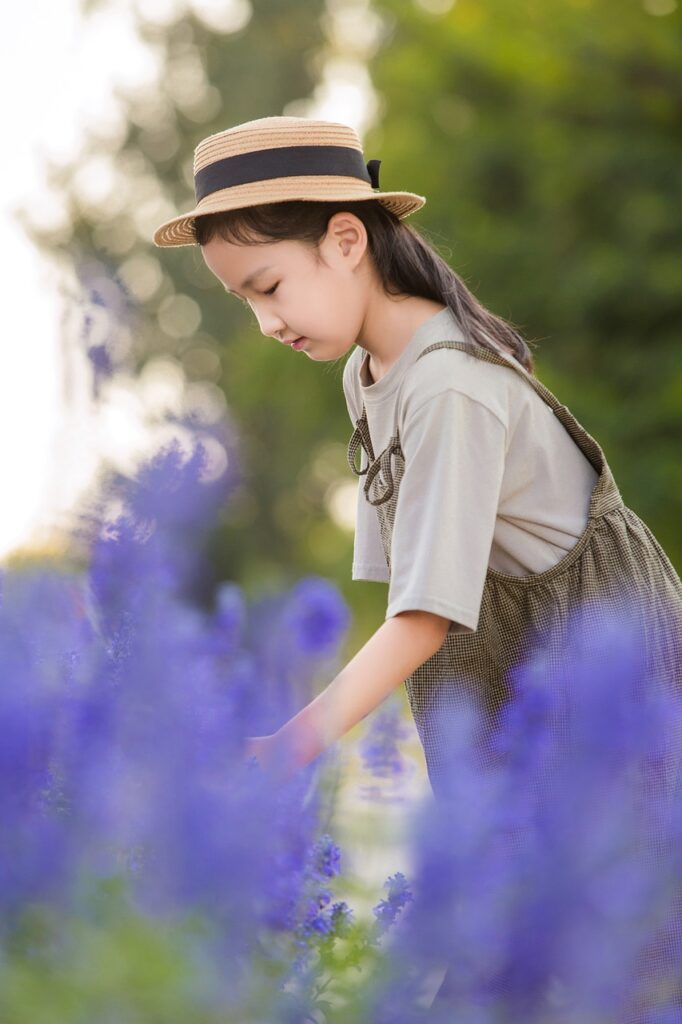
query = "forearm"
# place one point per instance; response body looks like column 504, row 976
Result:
column 399, row 646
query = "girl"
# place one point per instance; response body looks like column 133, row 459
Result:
column 486, row 507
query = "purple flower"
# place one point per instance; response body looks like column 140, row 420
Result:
column 325, row 858
column 229, row 619
column 341, row 915
column 315, row 616
column 542, row 874
column 387, row 910
column 379, row 747
column 123, row 714
column 102, row 364
column 108, row 312
column 319, row 920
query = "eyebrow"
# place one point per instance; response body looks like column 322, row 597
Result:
column 247, row 282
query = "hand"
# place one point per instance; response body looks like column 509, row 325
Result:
column 259, row 747
column 273, row 756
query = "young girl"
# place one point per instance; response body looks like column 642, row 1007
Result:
column 486, row 507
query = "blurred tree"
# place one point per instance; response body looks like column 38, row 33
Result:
column 546, row 137
column 218, row 69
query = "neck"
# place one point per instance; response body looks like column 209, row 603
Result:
column 388, row 328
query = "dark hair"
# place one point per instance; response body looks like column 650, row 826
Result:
column 404, row 261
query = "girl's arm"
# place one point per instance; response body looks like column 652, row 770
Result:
column 400, row 645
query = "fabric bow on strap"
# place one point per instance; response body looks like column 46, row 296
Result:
column 383, row 464
column 360, row 439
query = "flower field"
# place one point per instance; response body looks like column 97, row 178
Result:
column 149, row 873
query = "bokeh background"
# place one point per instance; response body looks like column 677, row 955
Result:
column 545, row 135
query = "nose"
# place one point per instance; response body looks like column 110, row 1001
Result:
column 270, row 325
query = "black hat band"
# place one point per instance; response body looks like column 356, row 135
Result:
column 284, row 162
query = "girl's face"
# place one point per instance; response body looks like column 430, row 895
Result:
column 293, row 294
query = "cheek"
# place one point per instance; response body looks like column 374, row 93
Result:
column 334, row 301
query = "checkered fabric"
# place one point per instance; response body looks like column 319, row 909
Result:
column 616, row 560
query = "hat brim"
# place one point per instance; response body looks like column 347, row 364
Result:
column 180, row 230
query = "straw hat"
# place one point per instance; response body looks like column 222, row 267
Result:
column 273, row 159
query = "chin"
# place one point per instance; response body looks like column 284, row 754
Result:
column 322, row 359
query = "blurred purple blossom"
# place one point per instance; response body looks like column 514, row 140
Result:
column 123, row 714
column 229, row 617
column 316, row 917
column 108, row 312
column 380, row 746
column 542, row 875
column 315, row 616
column 398, row 897
column 101, row 361
column 325, row 858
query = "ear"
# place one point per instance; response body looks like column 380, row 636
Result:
column 346, row 237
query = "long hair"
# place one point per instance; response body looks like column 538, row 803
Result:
column 405, row 262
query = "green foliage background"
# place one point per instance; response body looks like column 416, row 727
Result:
column 546, row 137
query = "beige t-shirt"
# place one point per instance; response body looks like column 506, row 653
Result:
column 491, row 476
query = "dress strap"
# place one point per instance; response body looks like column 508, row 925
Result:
column 383, row 465
column 495, row 357
column 360, row 440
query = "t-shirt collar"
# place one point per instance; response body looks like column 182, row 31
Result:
column 441, row 324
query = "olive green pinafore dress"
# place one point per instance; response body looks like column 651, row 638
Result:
column 617, row 558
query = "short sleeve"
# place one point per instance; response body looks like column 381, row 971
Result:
column 369, row 559
column 454, row 448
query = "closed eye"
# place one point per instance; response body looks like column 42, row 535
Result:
column 270, row 291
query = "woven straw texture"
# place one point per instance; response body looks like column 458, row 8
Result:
column 616, row 559
column 272, row 133
column 276, row 133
